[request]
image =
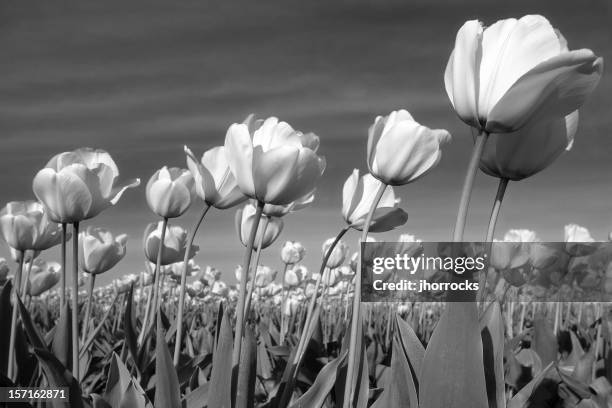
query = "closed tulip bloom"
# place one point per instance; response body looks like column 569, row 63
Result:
column 175, row 244
column 170, row 192
column 501, row 77
column 579, row 241
column 521, row 235
column 357, row 196
column 45, row 278
column 292, row 252
column 338, row 254
column 214, row 182
column 245, row 220
column 400, row 150
column 100, row 250
column 78, row 185
column 220, row 288
column 272, row 162
column 296, row 275
column 265, row 276
column 531, row 149
column 508, row 255
column 176, row 269
column 25, row 225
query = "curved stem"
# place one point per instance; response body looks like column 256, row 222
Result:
column 63, row 274
column 157, row 272
column 92, row 282
column 305, row 337
column 468, row 185
column 356, row 315
column 181, row 305
column 243, row 283
column 249, row 298
column 16, row 285
column 75, row 301
column 501, row 190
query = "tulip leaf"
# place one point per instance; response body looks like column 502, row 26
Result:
column 118, row 381
column 221, row 375
column 58, row 376
column 323, row 384
column 130, row 328
column 544, row 340
column 522, row 397
column 492, row 333
column 61, row 345
column 413, row 348
column 33, row 335
column 453, row 361
column 247, row 372
column 167, row 391
column 198, row 397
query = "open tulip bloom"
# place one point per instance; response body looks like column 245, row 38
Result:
column 25, row 225
column 272, row 162
column 78, row 185
column 175, row 243
column 501, row 77
column 100, row 249
column 170, row 192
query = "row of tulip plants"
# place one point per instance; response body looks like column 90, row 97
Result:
column 155, row 339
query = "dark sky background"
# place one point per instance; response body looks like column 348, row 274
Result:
column 142, row 78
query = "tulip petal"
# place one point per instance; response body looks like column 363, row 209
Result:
column 384, row 219
column 93, row 157
column 555, row 87
column 350, row 194
column 374, row 134
column 462, row 75
column 510, row 48
column 239, row 153
column 119, row 189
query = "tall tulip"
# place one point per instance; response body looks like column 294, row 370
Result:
column 100, row 251
column 76, row 186
column 400, row 150
column 501, row 77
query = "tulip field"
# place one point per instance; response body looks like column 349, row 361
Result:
column 536, row 333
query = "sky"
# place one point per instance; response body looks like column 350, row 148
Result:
column 141, row 79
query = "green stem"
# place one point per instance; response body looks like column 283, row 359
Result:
column 75, row 301
column 16, row 285
column 468, row 185
column 356, row 313
column 63, row 274
column 243, row 284
column 249, row 298
column 92, row 282
column 181, row 305
column 501, row 190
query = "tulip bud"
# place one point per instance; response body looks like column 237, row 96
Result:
column 175, row 244
column 338, row 254
column 170, row 192
column 295, row 276
column 265, row 276
column 78, row 185
column 100, row 250
column 219, row 288
column 272, row 162
column 400, row 150
column 292, row 252
column 357, row 197
column 245, row 220
column 579, row 241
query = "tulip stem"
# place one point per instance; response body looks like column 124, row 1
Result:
column 264, row 227
column 181, row 305
column 157, row 272
column 26, row 281
column 92, row 282
column 501, row 190
column 356, row 315
column 242, row 297
column 75, row 301
column 63, row 274
column 305, row 337
column 283, row 301
column 468, row 185
column 16, row 285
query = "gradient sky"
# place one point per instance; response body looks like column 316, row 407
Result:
column 142, row 78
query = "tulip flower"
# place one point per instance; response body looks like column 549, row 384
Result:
column 170, row 192
column 501, row 77
column 292, row 252
column 78, row 185
column 338, row 254
column 357, row 197
column 175, row 243
column 272, row 162
column 44, row 277
column 523, row 153
column 579, row 241
column 296, row 275
column 264, row 276
column 400, row 150
column 272, row 210
column 246, row 219
column 220, row 288
column 521, row 235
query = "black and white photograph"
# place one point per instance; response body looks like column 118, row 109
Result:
column 305, row 204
